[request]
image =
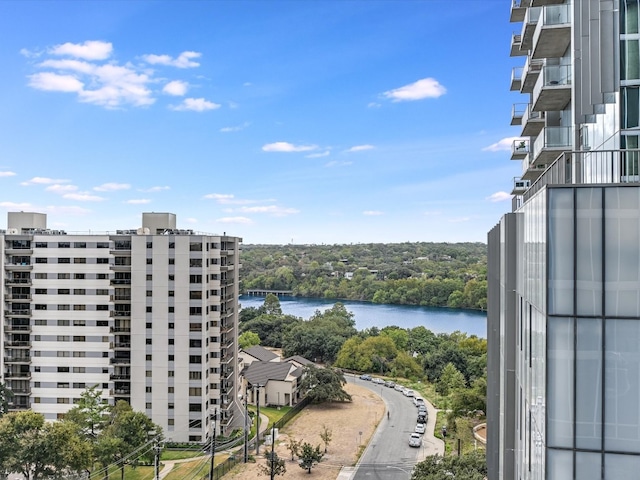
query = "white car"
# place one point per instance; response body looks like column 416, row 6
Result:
column 420, row 428
column 417, row 401
column 415, row 440
column 398, row 388
column 408, row 393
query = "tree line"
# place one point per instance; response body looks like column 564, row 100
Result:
column 92, row 437
column 428, row 274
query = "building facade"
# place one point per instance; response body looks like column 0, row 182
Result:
column 149, row 315
column 563, row 398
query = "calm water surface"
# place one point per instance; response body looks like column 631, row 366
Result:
column 438, row 320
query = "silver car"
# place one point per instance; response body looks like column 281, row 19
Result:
column 415, row 440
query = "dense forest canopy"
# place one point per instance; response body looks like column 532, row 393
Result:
column 430, row 274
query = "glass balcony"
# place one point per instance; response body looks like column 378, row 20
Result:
column 553, row 88
column 517, row 112
column 519, row 149
column 551, row 142
column 532, row 122
column 516, row 79
column 542, row 3
column 553, row 32
column 516, row 44
column 520, row 186
column 529, row 25
column 517, row 11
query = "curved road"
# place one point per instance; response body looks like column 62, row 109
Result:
column 388, row 454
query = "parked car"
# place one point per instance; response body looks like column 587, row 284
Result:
column 417, row 401
column 398, row 387
column 364, row 376
column 420, row 428
column 422, row 410
column 390, row 384
column 408, row 393
column 415, row 440
column 422, row 418
column 377, row 380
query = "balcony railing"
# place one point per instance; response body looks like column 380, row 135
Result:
column 552, row 91
column 589, row 167
column 519, row 149
column 517, row 112
column 516, row 78
column 553, row 32
column 517, row 11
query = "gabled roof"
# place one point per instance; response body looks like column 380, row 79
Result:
column 259, row 373
column 261, row 353
column 298, row 359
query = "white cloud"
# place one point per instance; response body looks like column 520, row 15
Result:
column 374, row 105
column 196, row 105
column 82, row 197
column 61, row 189
column 432, row 213
column 459, row 219
column 247, row 84
column 501, row 145
column 373, row 213
column 176, row 88
column 424, row 88
column 43, row 181
column 499, row 197
column 287, row 147
column 336, row 163
column 89, row 50
column 191, row 220
column 236, row 128
column 184, row 60
column 53, row 82
column 270, row 209
column 110, row 85
column 138, row 201
column 17, row 206
column 318, row 155
column 220, row 197
column 112, row 187
column 237, row 220
column 25, row 52
column 360, row 148
column 154, row 189
column 7, row 174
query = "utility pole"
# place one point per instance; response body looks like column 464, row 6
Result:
column 156, row 458
column 273, row 445
column 246, row 427
column 213, row 444
column 258, row 387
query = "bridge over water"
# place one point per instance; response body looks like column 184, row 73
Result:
column 261, row 292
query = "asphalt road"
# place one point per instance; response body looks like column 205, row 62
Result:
column 389, row 456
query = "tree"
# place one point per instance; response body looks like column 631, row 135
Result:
column 248, row 339
column 326, row 435
column 275, row 466
column 5, row 396
column 91, row 414
column 272, row 305
column 471, row 466
column 37, row 449
column 450, row 380
column 294, row 447
column 324, row 385
column 309, row 456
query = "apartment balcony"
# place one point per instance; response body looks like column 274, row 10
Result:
column 18, row 281
column 120, row 313
column 551, row 142
column 517, row 112
column 25, row 312
column 532, row 122
column 120, row 329
column 542, row 3
column 120, row 281
column 122, row 391
column 530, row 73
column 18, row 375
column 529, row 25
column 516, row 79
column 17, row 359
column 18, row 328
column 18, row 296
column 23, row 266
column 553, row 88
column 9, row 249
column 553, row 33
column 118, row 377
column 120, row 361
column 120, row 251
column 516, row 46
column 519, row 149
column 120, row 298
column 520, row 186
column 532, row 172
column 118, row 267
column 17, row 343
column 517, row 11
column 121, row 346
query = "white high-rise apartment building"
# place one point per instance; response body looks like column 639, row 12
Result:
column 563, row 397
column 150, row 315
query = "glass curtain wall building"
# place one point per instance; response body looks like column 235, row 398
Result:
column 563, row 398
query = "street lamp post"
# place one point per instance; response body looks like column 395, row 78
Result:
column 213, row 443
column 246, row 425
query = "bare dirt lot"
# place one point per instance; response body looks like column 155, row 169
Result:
column 352, row 424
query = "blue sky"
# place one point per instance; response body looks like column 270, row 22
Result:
column 303, row 121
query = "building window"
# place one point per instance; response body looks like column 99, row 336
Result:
column 170, row 373
column 195, row 247
column 172, row 278
column 42, row 244
column 79, row 244
column 102, row 308
column 102, row 260
column 149, row 309
column 64, row 260
column 79, row 307
column 101, row 276
column 147, row 389
column 64, row 245
column 79, row 369
column 78, row 323
column 149, row 293
column 171, row 309
column 149, row 244
column 79, row 354
column 148, row 325
column 147, row 373
column 102, row 245
column 170, row 421
column 62, row 369
column 172, row 245
column 195, row 343
column 172, row 261
column 149, row 277
column 63, row 291
column 79, row 338
column 170, row 406
column 170, row 389
column 195, row 359
column 149, row 261
column 40, row 276
column 170, row 341
column 148, row 405
column 195, row 375
column 80, row 260
column 171, row 326
column 195, row 310
column 171, row 293
column 148, row 341
column 41, row 260
column 195, row 295
column 195, row 407
column 102, row 291
column 79, row 291
column 195, row 262
column 64, row 323
column 195, row 278
column 62, row 400
column 171, row 358
column 195, row 391
column 64, row 307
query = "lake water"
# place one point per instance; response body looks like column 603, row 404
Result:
column 366, row 315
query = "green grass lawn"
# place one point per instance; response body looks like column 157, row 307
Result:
column 180, row 454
